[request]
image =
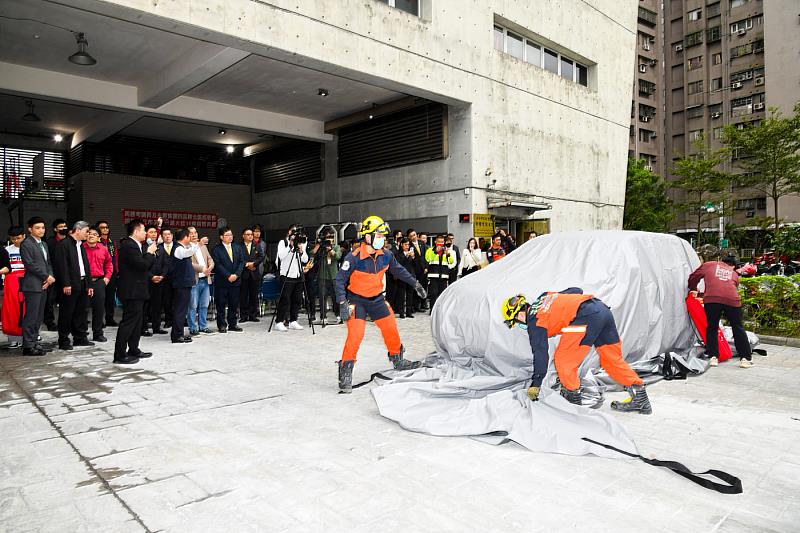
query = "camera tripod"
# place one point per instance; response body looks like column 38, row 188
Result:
column 302, row 278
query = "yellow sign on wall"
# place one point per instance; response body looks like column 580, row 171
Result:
column 482, row 226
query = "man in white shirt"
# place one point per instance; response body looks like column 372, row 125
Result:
column 203, row 264
column 291, row 258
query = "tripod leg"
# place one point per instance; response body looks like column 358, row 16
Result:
column 280, row 295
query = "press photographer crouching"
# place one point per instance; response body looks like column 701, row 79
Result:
column 326, row 255
column 291, row 257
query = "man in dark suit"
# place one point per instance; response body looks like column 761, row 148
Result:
column 228, row 265
column 160, row 284
column 134, row 264
column 60, row 232
column 251, row 280
column 182, row 275
column 38, row 277
column 71, row 267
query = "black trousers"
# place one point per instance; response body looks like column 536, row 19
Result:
column 291, row 299
column 72, row 314
column 326, row 291
column 734, row 315
column 226, row 297
column 436, row 286
column 160, row 301
column 111, row 297
column 130, row 328
column 98, row 305
column 248, row 297
column 404, row 297
column 180, row 306
column 49, row 305
column 34, row 315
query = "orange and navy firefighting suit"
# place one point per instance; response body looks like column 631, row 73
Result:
column 582, row 321
column 360, row 281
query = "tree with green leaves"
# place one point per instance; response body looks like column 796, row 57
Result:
column 647, row 207
column 769, row 154
column 702, row 181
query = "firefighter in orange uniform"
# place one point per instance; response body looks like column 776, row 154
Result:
column 359, row 291
column 582, row 321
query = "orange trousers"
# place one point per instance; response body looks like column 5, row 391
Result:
column 570, row 354
column 357, row 324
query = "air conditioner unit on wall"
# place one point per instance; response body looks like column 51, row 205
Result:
column 645, row 119
column 741, row 32
column 759, row 106
column 653, row 62
column 760, row 80
column 716, row 115
column 736, row 85
column 678, row 47
column 646, row 47
column 653, row 135
column 648, row 167
column 642, row 68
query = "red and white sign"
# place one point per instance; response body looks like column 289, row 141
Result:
column 172, row 219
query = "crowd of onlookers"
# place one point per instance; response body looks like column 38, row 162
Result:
column 165, row 279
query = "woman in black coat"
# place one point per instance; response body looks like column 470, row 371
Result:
column 404, row 294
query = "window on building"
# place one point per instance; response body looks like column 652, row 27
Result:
column 714, row 34
column 695, row 87
column 716, row 84
column 695, row 14
column 751, row 203
column 742, row 75
column 694, row 38
column 717, row 133
column 715, row 110
column 534, row 53
column 695, row 112
column 742, row 25
column 409, row 6
column 646, row 88
column 647, row 16
column 742, row 50
column 741, row 106
column 551, row 61
column 646, row 112
column 567, row 69
column 646, row 136
column 695, row 135
column 716, row 59
column 695, row 62
column 18, row 165
column 738, row 3
column 712, row 10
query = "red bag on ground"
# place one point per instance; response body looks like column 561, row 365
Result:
column 13, row 304
column 698, row 315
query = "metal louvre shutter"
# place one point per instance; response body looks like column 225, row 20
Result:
column 293, row 163
column 17, row 166
column 403, row 138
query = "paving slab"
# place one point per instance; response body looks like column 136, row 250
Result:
column 246, row 432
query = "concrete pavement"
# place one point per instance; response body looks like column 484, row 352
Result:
column 245, row 432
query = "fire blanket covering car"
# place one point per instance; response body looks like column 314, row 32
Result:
column 475, row 384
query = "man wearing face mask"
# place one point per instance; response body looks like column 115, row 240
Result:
column 582, row 321
column 60, row 232
column 359, row 291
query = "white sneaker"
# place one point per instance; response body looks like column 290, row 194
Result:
column 713, row 361
column 295, row 325
column 744, row 363
column 15, row 345
column 280, row 326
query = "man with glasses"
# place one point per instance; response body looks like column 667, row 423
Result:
column 111, row 287
column 101, row 270
column 228, row 266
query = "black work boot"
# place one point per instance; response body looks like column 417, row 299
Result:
column 638, row 401
column 403, row 364
column 346, row 376
column 572, row 396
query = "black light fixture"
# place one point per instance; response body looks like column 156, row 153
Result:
column 222, row 131
column 31, row 115
column 323, row 92
column 82, row 57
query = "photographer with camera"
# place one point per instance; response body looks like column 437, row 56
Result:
column 290, row 260
column 326, row 254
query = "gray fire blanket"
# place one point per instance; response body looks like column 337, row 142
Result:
column 477, row 379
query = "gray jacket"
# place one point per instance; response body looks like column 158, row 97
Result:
column 37, row 266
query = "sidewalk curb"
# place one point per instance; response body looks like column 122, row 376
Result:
column 780, row 341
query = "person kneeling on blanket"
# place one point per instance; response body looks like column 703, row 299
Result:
column 582, row 321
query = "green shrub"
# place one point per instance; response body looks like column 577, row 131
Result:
column 771, row 304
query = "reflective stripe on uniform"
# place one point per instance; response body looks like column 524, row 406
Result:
column 574, row 329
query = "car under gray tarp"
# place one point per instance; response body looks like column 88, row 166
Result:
column 475, row 384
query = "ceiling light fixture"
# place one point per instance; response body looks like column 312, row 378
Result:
column 222, row 131
column 82, row 57
column 58, row 137
column 31, row 115
column 230, row 148
column 323, row 92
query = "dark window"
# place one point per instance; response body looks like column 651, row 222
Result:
column 551, row 61
column 292, row 163
column 404, row 138
column 18, row 173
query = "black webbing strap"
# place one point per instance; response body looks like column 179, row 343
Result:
column 760, row 351
column 373, row 376
column 732, row 485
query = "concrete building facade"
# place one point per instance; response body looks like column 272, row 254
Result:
column 522, row 107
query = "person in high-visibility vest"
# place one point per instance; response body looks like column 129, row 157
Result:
column 582, row 321
column 440, row 262
column 359, row 290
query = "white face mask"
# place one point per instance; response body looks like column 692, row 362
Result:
column 378, row 242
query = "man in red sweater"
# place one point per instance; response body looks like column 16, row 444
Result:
column 721, row 295
column 101, row 269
